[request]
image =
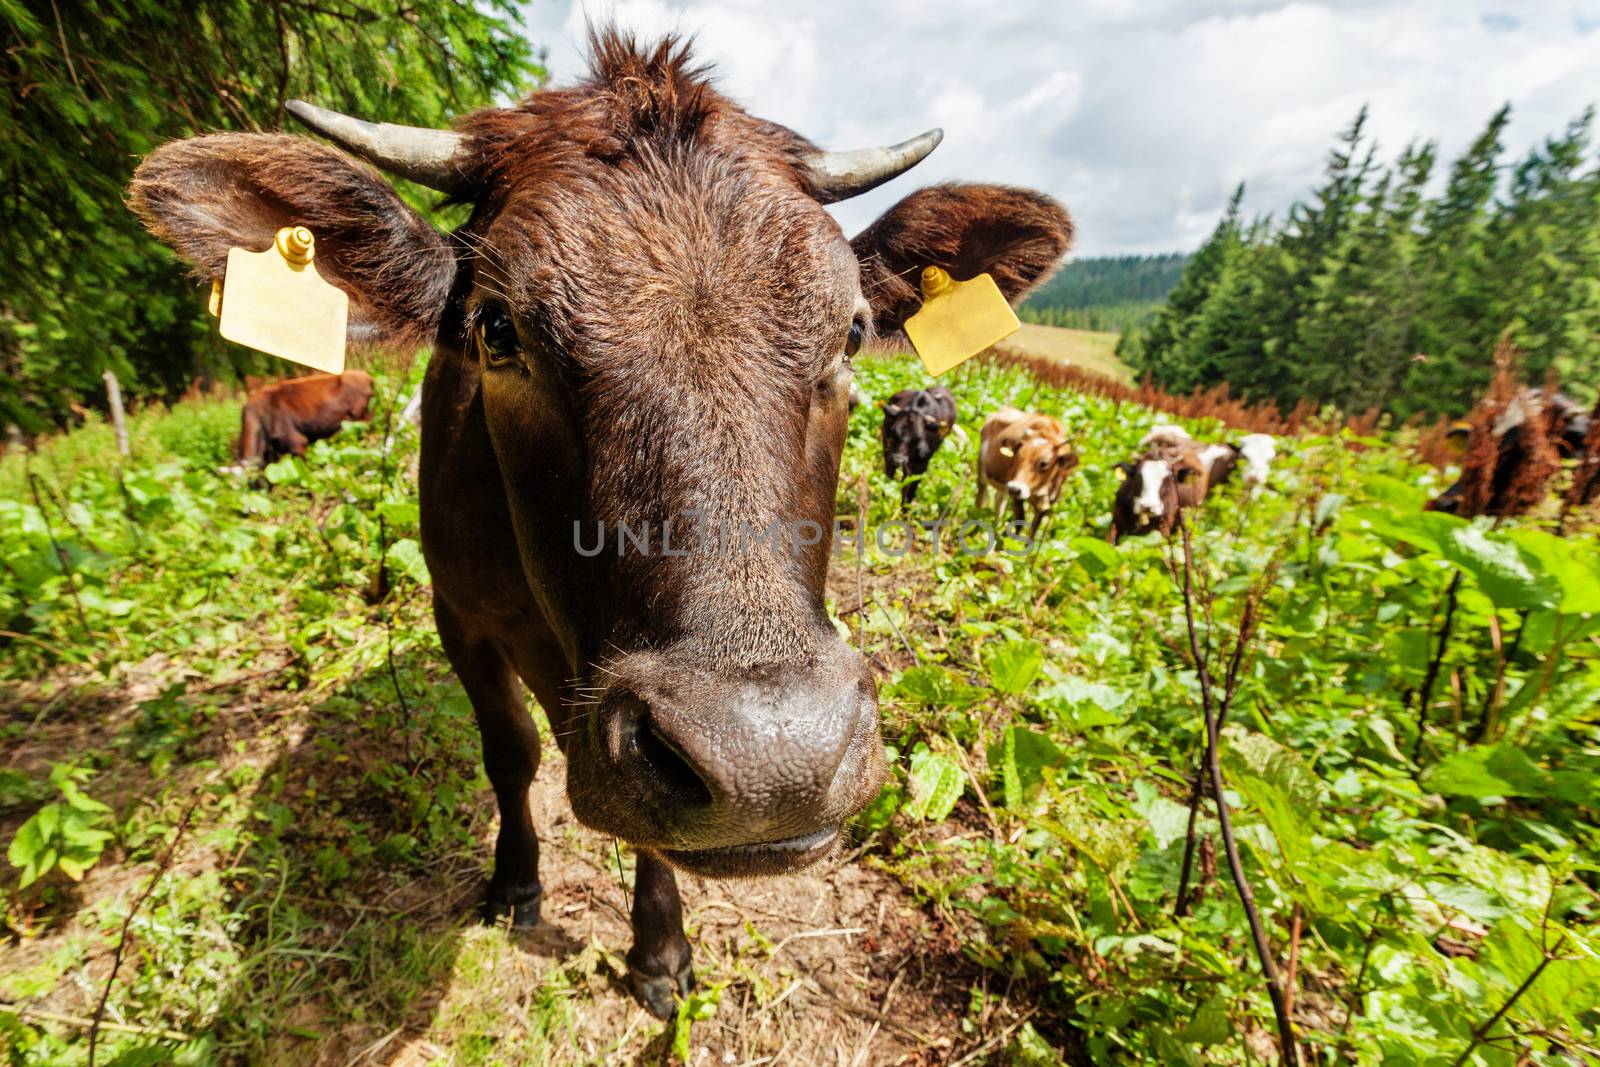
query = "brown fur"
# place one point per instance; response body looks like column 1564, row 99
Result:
column 1041, row 457
column 284, row 418
column 1185, row 487
column 1506, row 471
column 677, row 303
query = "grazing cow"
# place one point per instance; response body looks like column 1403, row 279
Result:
column 915, row 424
column 1155, row 490
column 1257, row 450
column 1026, row 458
column 284, row 418
column 647, row 319
column 1511, row 451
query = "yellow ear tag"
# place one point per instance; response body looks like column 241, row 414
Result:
column 1460, row 433
column 1007, row 451
column 276, row 302
column 958, row 319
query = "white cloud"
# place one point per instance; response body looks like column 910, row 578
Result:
column 1141, row 116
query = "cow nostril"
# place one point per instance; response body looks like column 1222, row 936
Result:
column 672, row 773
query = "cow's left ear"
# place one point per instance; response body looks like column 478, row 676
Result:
column 205, row 195
column 1016, row 235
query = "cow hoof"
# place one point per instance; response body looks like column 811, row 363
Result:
column 660, row 992
column 521, row 908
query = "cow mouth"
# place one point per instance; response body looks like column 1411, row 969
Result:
column 754, row 860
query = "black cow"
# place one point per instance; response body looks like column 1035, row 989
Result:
column 915, row 424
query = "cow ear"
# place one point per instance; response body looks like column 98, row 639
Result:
column 205, row 195
column 891, row 409
column 1016, row 235
column 1123, row 470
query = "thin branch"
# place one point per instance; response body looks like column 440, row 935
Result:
column 1425, row 695
column 127, row 921
column 1287, row 1049
column 1483, row 1029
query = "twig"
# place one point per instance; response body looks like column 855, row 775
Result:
column 1294, row 960
column 97, row 1021
column 1287, row 1048
column 1488, row 1024
column 892, row 625
column 1426, row 693
column 61, row 553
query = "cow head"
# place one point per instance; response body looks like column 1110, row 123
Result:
column 915, row 424
column 653, row 316
column 1043, row 457
column 1158, row 486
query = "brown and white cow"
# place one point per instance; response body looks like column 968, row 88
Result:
column 1026, row 458
column 1156, row 489
column 648, row 319
column 284, row 418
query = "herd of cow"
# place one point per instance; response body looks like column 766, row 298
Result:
column 1026, row 457
column 639, row 250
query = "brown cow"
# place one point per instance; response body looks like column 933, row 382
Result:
column 1028, row 458
column 1156, row 489
column 647, row 320
column 282, row 419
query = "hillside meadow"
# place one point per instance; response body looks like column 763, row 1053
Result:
column 246, row 821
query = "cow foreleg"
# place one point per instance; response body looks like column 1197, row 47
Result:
column 659, row 961
column 510, row 757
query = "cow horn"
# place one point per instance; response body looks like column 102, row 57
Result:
column 434, row 158
column 841, row 175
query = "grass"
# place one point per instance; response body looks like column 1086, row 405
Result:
column 212, row 664
column 1090, row 350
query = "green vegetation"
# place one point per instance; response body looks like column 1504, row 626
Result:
column 1373, row 293
column 246, row 676
column 1089, row 350
column 94, row 85
column 1107, row 293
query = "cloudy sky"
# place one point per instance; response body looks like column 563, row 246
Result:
column 1141, row 115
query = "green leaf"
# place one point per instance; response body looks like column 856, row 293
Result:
column 1489, row 771
column 405, row 556
column 936, row 686
column 1566, row 561
column 935, row 783
column 1023, row 755
column 1014, row 665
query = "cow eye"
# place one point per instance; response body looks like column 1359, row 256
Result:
column 852, row 344
column 497, row 334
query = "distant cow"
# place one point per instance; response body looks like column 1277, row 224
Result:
column 1028, row 458
column 1512, row 450
column 284, row 418
column 915, row 424
column 1155, row 490
column 1257, row 450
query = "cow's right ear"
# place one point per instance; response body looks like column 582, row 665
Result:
column 1016, row 235
column 205, row 195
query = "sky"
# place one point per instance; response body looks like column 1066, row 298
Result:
column 1140, row 115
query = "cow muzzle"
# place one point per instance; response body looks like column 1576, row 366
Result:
column 730, row 773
